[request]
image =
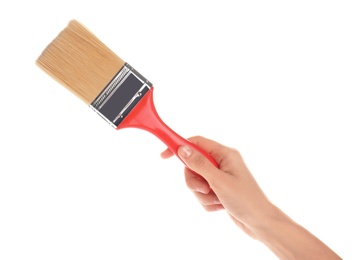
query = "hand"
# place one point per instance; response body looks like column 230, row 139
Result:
column 233, row 188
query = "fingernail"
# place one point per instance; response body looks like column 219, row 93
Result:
column 202, row 190
column 185, row 151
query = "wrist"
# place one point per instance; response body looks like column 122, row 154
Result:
column 264, row 223
column 270, row 222
column 273, row 229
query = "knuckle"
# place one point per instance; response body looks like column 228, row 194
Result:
column 210, row 208
column 235, row 152
column 195, row 138
column 208, row 199
column 200, row 161
column 190, row 184
column 232, row 153
column 205, row 202
column 207, row 208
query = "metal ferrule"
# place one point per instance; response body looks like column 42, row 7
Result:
column 120, row 95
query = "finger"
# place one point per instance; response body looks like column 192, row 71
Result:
column 207, row 199
column 195, row 182
column 166, row 154
column 212, row 208
column 199, row 164
column 216, row 150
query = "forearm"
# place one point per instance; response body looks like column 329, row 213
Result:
column 288, row 240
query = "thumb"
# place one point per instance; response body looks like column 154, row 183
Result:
column 198, row 163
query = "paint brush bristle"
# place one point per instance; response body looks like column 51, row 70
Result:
column 78, row 60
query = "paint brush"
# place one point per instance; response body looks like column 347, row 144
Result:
column 78, row 60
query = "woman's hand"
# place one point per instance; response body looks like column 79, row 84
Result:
column 233, row 188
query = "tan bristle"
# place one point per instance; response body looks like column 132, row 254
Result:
column 80, row 61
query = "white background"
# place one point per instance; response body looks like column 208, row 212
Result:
column 274, row 79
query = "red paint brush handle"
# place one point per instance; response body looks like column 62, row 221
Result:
column 144, row 116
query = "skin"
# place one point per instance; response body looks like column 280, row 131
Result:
column 233, row 188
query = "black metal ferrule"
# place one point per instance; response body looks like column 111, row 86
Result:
column 120, row 95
